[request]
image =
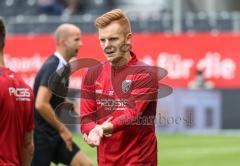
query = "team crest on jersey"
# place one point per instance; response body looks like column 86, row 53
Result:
column 126, row 85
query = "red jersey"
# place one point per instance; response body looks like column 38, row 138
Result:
column 16, row 113
column 128, row 94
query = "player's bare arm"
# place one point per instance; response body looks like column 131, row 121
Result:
column 28, row 149
column 45, row 109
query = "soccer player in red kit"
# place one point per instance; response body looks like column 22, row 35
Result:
column 16, row 112
column 118, row 102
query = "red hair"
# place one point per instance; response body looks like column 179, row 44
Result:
column 115, row 15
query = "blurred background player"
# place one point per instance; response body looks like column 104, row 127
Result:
column 16, row 112
column 121, row 141
column 52, row 139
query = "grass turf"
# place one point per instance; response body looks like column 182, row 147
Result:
column 188, row 150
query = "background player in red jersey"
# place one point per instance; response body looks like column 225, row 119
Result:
column 124, row 88
column 16, row 112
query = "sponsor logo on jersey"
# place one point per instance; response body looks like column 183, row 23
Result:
column 113, row 104
column 21, row 94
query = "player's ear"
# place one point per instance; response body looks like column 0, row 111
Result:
column 61, row 42
column 129, row 37
column 64, row 43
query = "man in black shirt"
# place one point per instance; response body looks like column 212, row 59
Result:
column 53, row 141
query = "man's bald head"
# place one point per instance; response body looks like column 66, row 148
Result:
column 68, row 40
column 64, row 31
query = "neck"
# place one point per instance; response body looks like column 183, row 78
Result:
column 123, row 60
column 63, row 53
column 1, row 59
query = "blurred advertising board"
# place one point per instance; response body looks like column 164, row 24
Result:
column 217, row 55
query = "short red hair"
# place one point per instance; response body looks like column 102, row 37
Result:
column 115, row 15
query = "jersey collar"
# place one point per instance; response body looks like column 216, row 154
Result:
column 60, row 57
column 132, row 61
column 133, row 58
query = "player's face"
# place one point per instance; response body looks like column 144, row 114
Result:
column 112, row 38
column 73, row 43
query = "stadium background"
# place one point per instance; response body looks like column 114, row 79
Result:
column 199, row 122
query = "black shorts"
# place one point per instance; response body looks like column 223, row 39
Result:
column 52, row 149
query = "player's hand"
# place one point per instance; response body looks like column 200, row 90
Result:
column 95, row 136
column 85, row 137
column 107, row 127
column 67, row 137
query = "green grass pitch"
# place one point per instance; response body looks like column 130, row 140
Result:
column 188, row 150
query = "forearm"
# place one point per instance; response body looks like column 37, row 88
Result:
column 87, row 116
column 138, row 102
column 86, row 128
column 129, row 116
column 28, row 149
column 27, row 154
column 48, row 114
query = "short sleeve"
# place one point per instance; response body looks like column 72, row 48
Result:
column 46, row 74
